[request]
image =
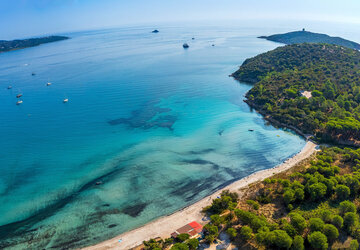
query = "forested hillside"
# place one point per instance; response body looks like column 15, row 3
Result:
column 330, row 72
column 32, row 42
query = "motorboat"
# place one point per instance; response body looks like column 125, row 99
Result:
column 186, row 46
column 65, row 100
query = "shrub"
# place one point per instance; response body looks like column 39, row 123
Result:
column 298, row 243
column 254, row 204
column 246, row 233
column 298, row 222
column 347, row 206
column 193, row 244
column 338, row 221
column 331, row 232
column 342, row 192
column 316, row 224
column 354, row 245
column 318, row 240
column 231, row 232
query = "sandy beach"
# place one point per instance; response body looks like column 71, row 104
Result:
column 164, row 226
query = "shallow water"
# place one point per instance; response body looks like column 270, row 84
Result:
column 157, row 126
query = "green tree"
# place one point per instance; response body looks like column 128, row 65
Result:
column 354, row 245
column 331, row 232
column 298, row 243
column 347, row 206
column 326, row 215
column 289, row 196
column 280, row 239
column 246, row 233
column 318, row 240
column 180, row 246
column 298, row 222
column 316, row 224
column 317, row 191
column 193, row 244
column 338, row 221
column 182, row 237
column 216, row 219
column 231, row 232
column 342, row 192
column 351, row 220
column 299, row 194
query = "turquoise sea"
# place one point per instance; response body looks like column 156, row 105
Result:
column 157, row 128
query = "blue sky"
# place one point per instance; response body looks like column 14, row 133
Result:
column 23, row 18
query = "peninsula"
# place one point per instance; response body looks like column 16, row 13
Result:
column 26, row 43
column 310, row 37
column 312, row 88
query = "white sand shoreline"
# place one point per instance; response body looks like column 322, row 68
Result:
column 165, row 225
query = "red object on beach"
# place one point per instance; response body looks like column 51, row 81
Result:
column 197, row 227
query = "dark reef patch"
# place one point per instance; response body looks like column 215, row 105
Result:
column 202, row 162
column 147, row 117
column 204, row 151
column 134, row 210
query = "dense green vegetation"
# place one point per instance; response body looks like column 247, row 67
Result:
column 331, row 73
column 26, row 43
column 316, row 215
column 310, row 37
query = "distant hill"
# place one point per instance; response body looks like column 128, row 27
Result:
column 26, row 43
column 309, row 37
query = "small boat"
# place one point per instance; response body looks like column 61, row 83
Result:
column 65, row 100
column 155, row 31
column 9, row 87
column 48, row 84
column 19, row 95
column 186, row 46
column 251, row 130
column 193, row 38
column 19, row 102
column 98, row 183
column 33, row 74
column 213, row 45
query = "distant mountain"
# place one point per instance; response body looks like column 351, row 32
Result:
column 309, row 37
column 26, row 43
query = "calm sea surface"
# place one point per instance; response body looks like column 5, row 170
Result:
column 156, row 126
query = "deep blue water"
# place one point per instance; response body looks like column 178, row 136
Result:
column 158, row 126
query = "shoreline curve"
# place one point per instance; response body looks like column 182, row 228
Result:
column 165, row 225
